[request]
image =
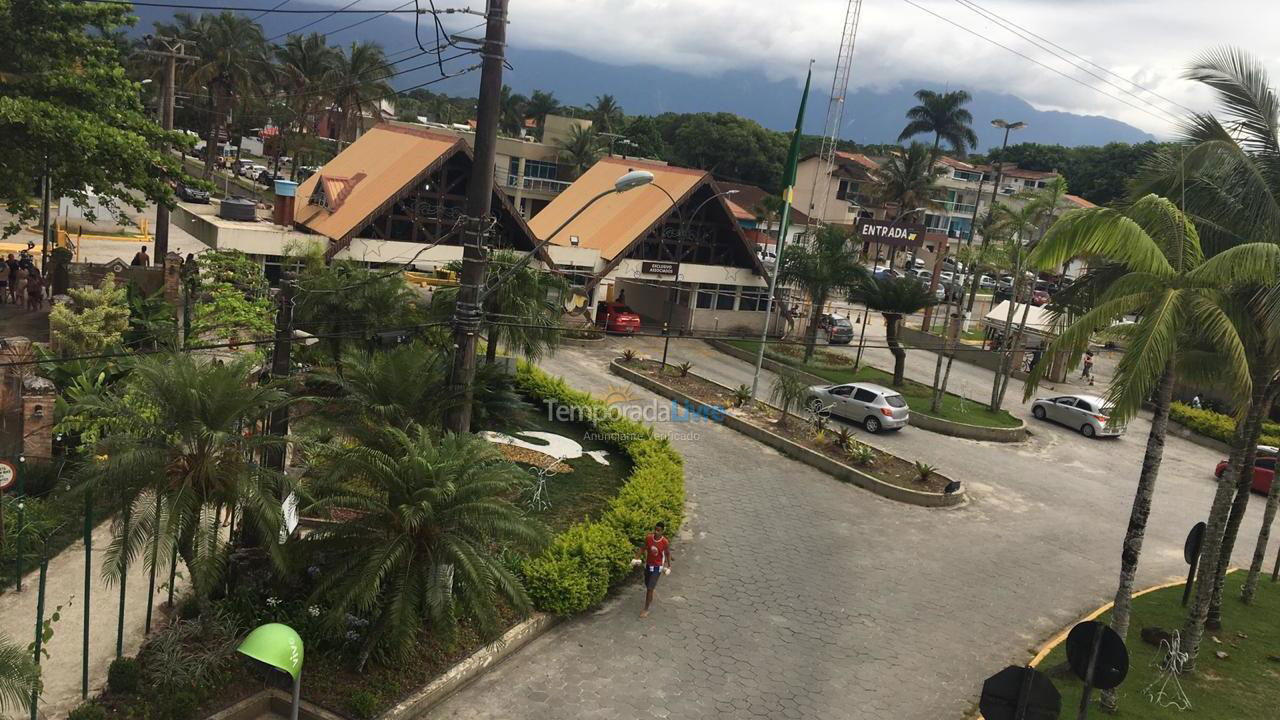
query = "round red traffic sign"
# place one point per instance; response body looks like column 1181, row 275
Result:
column 8, row 475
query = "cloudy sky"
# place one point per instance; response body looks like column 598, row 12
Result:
column 1146, row 41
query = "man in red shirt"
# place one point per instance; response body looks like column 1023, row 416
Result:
column 657, row 557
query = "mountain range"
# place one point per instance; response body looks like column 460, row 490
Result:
column 869, row 117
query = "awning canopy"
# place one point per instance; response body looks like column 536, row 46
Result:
column 1039, row 321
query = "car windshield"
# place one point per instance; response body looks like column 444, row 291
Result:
column 895, row 401
column 841, row 323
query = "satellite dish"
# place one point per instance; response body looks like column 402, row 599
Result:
column 1112, row 664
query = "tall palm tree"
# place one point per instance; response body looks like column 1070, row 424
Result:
column 19, row 676
column 186, row 440
column 384, row 389
column 580, row 150
column 606, row 113
column 909, row 178
column 524, row 310
column 541, row 104
column 827, row 265
column 1177, row 295
column 232, row 61
column 511, row 111
column 942, row 114
column 420, row 547
column 357, row 82
column 333, row 299
column 894, row 298
column 303, row 63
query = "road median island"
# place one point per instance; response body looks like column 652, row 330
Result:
column 958, row 416
column 825, row 447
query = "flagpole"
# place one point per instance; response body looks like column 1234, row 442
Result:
column 788, row 196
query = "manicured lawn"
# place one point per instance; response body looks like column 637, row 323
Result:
column 1244, row 685
column 918, row 395
column 587, row 490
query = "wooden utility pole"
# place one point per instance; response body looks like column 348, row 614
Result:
column 173, row 51
column 466, row 315
column 281, row 364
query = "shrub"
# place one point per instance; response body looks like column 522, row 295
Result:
column 362, row 704
column 1216, row 425
column 88, row 711
column 843, row 438
column 576, row 570
column 124, row 675
column 741, row 395
column 924, row 471
column 177, row 705
column 628, row 355
column 862, row 454
column 684, row 368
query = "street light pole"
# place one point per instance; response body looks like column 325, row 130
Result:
column 686, row 225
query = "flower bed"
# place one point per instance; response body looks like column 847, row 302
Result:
column 827, row 440
column 1217, row 426
column 581, row 564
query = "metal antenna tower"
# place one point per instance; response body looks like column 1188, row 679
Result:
column 835, row 108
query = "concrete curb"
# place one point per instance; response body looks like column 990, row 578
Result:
column 581, row 342
column 918, row 419
column 1186, row 433
column 419, row 703
column 796, row 451
column 274, row 702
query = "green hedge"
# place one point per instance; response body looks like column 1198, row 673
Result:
column 576, row 571
column 1218, row 426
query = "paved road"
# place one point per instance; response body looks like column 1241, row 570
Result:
column 795, row 595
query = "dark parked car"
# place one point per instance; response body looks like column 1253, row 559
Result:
column 838, row 329
column 191, row 193
column 266, row 177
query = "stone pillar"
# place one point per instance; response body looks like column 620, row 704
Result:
column 38, row 398
column 172, row 278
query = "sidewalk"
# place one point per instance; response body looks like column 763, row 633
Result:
column 61, row 670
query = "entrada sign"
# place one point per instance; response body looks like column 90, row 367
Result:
column 891, row 233
column 651, row 267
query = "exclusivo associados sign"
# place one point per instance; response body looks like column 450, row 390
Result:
column 883, row 232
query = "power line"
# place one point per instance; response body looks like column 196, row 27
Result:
column 1024, row 56
column 1090, row 62
column 328, row 15
column 987, row 15
column 263, row 14
column 264, row 11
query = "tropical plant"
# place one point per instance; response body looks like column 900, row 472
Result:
column 1177, row 295
column 788, row 389
column 186, row 443
column 909, row 179
column 94, row 321
column 924, row 471
column 357, row 81
column 511, row 111
column 580, row 150
column 861, row 454
column 606, row 114
column 684, row 368
column 303, row 65
column 232, row 61
column 151, row 319
column 340, row 301
column 628, row 355
column 741, row 395
column 894, row 298
column 522, row 307
column 420, row 547
column 826, row 265
column 19, row 676
column 540, row 105
column 844, row 438
column 384, row 389
column 942, row 114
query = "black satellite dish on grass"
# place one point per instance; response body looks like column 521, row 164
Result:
column 1020, row 693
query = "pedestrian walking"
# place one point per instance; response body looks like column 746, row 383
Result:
column 35, row 290
column 12, row 264
column 141, row 259
column 1196, row 403
column 20, row 286
column 656, row 556
column 1087, row 370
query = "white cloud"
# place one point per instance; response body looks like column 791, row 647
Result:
column 1147, row 41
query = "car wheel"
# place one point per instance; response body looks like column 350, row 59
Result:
column 871, row 424
column 814, row 406
column 1087, row 431
column 1038, row 412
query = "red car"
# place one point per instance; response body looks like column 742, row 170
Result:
column 1264, row 470
column 617, row 318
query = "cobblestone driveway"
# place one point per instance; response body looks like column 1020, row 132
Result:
column 794, row 595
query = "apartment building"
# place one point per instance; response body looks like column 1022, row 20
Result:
column 841, row 196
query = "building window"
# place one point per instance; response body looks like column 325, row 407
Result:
column 726, row 297
column 318, row 196
column 966, row 175
column 720, row 297
column 842, row 190
column 753, row 299
column 935, row 222
column 706, row 296
column 540, row 169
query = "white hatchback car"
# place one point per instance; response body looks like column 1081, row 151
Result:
column 1089, row 414
column 872, row 406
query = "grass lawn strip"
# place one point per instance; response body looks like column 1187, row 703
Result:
column 886, row 467
column 835, row 369
column 1246, row 684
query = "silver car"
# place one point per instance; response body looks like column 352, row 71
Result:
column 874, row 407
column 1089, row 414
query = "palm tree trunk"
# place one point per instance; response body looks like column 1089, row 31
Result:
column 811, row 333
column 1017, row 341
column 211, row 140
column 491, row 347
column 1216, row 525
column 891, row 324
column 1264, row 533
column 1134, row 534
column 1244, row 485
column 1006, row 341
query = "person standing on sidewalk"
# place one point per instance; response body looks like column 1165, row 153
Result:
column 656, row 555
column 1087, row 370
